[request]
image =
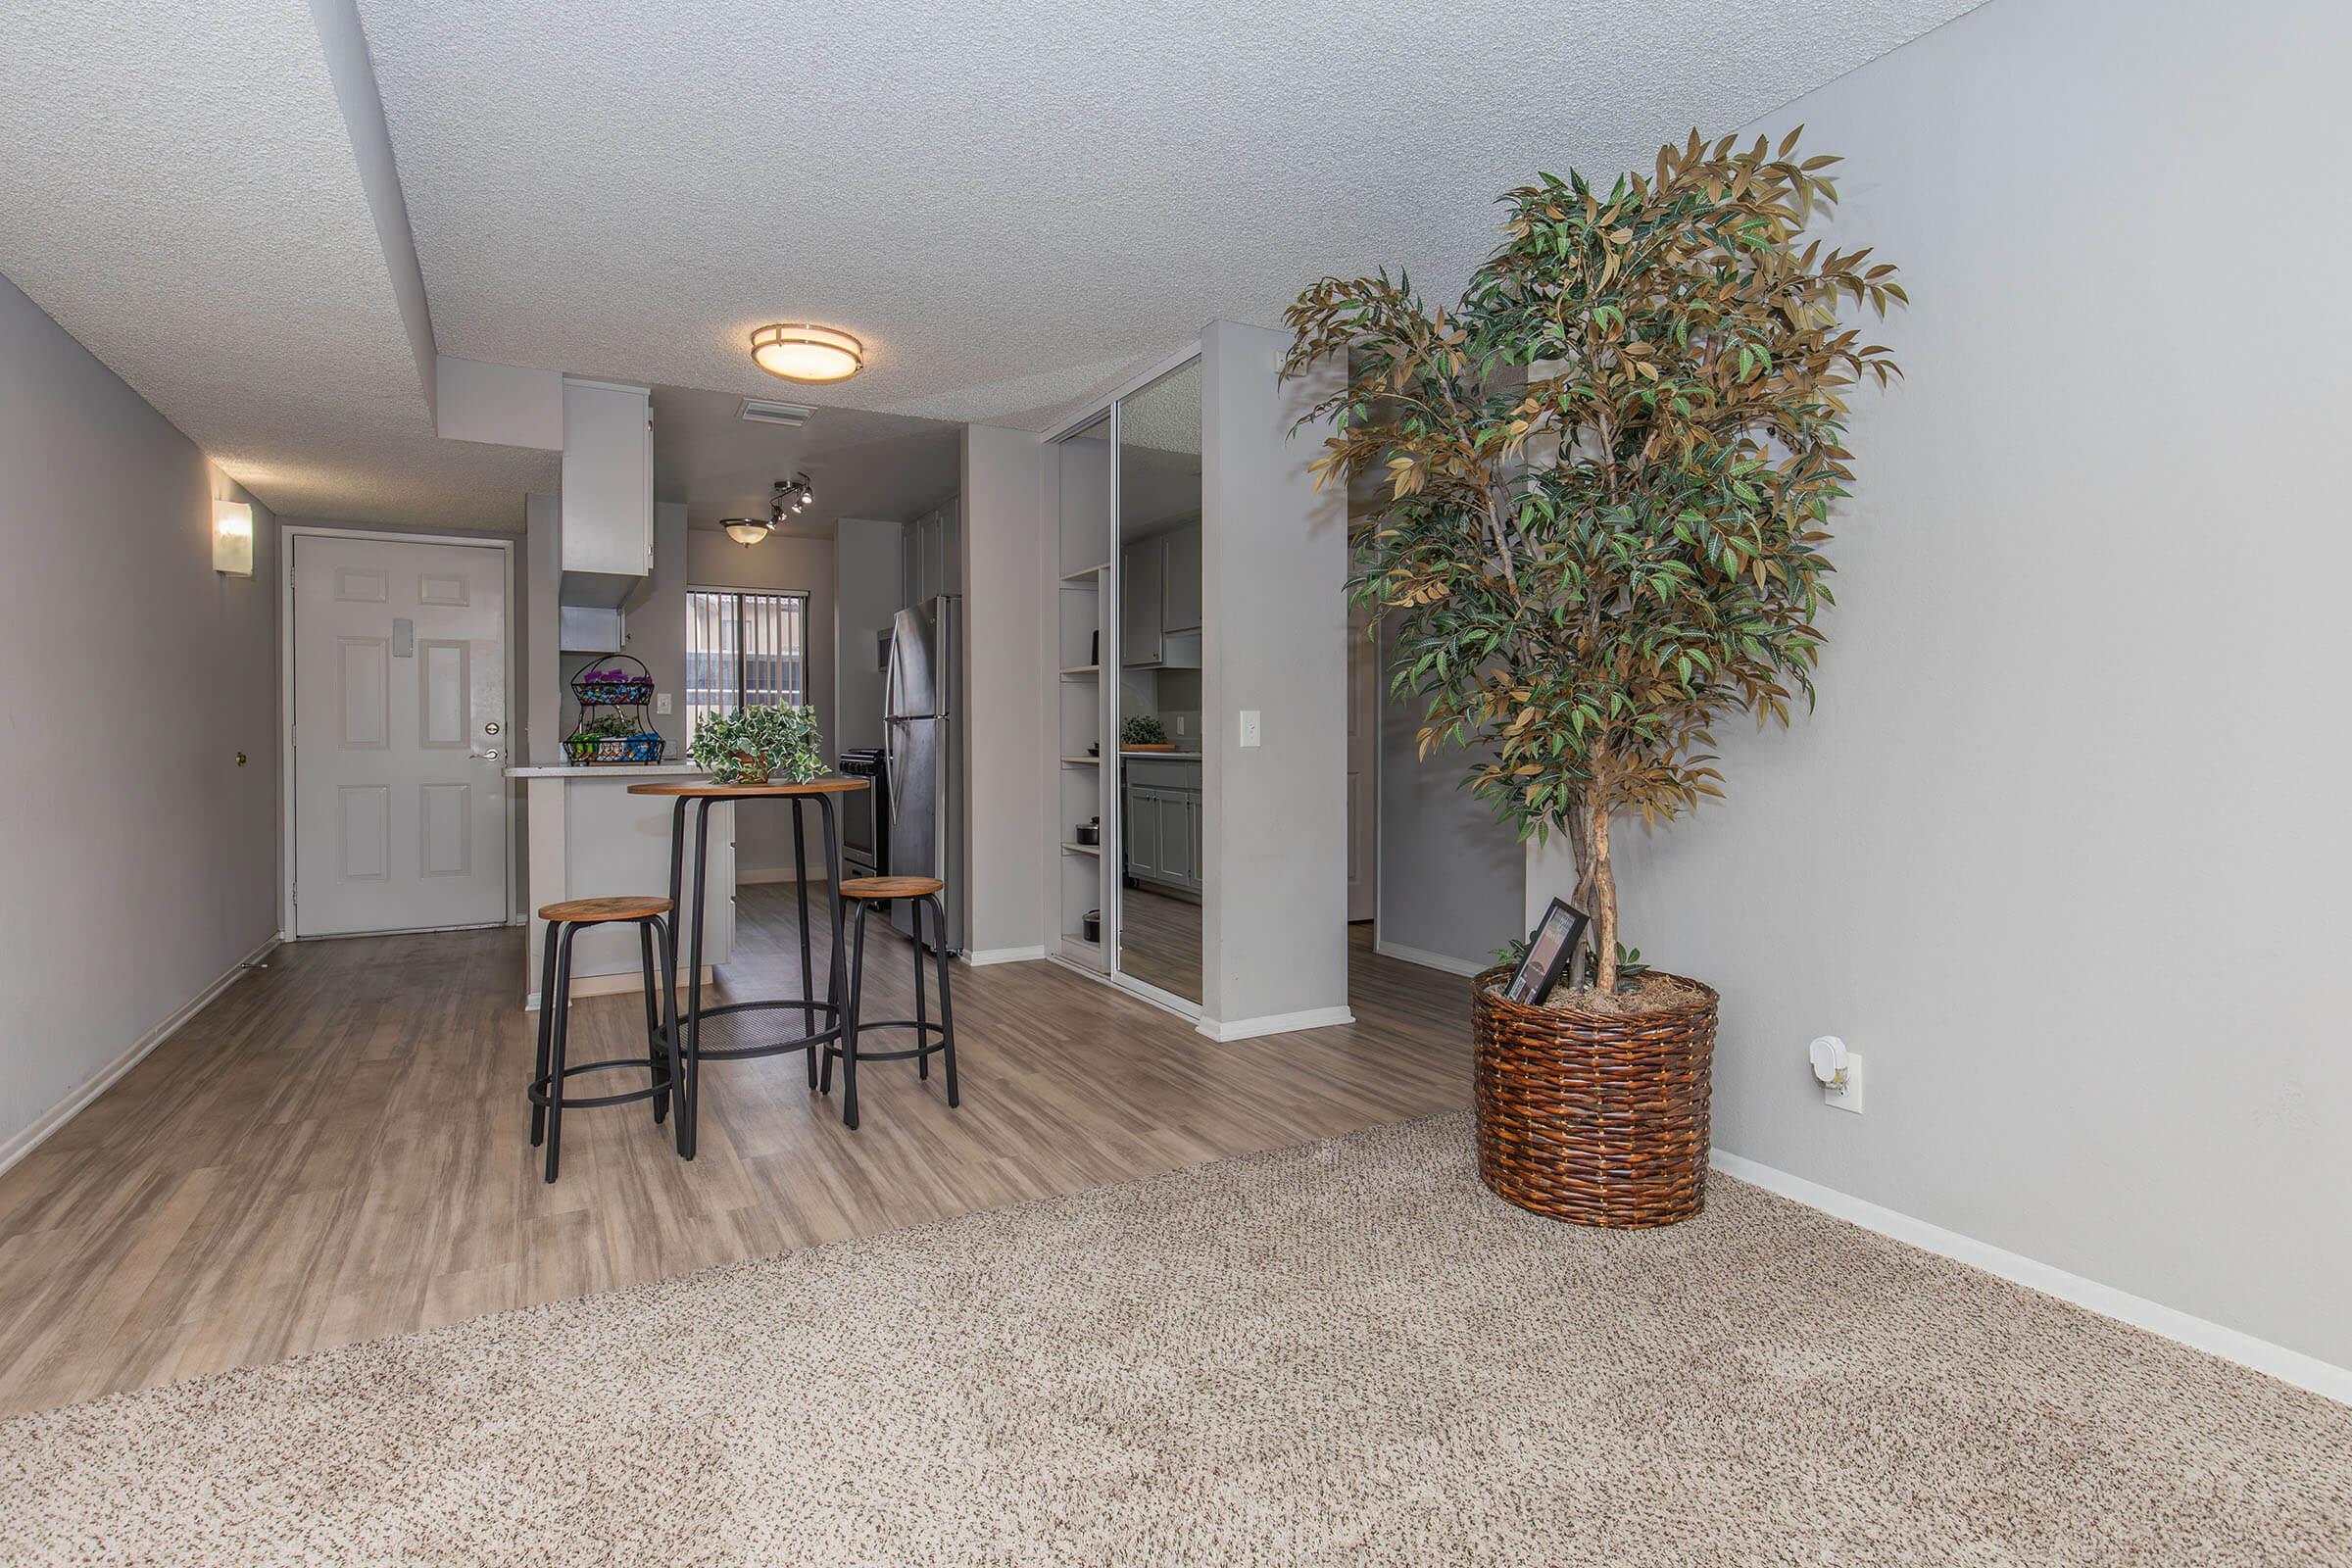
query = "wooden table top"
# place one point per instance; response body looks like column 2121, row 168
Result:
column 705, row 790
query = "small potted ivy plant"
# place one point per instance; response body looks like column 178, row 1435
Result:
column 1144, row 733
column 760, row 745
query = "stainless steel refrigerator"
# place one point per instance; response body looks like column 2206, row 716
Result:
column 923, row 748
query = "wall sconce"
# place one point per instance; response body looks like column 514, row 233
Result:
column 232, row 538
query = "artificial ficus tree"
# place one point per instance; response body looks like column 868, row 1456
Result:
column 1606, row 478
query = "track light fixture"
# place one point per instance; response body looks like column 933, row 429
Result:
column 789, row 498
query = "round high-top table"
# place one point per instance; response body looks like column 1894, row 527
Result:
column 812, row 1040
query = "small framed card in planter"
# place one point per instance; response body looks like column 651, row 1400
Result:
column 1548, row 949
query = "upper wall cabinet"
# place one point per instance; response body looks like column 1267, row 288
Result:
column 931, row 554
column 1143, row 585
column 607, row 536
column 1159, row 601
column 1182, row 609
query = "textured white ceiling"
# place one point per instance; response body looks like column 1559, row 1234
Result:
column 1015, row 203
column 178, row 190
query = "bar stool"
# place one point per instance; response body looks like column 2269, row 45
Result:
column 660, row 1061
column 866, row 891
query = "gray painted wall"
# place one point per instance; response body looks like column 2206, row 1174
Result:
column 1007, row 544
column 2063, row 851
column 1274, row 564
column 542, row 572
column 1453, row 880
column 144, row 862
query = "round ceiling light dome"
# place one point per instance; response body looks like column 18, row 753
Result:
column 807, row 352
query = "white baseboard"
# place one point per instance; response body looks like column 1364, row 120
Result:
column 1275, row 1023
column 981, row 958
column 1428, row 959
column 616, row 985
column 2288, row 1366
column 66, row 1110
column 747, row 875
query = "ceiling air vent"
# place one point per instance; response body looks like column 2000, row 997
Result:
column 766, row 410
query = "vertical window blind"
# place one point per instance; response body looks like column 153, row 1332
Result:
column 744, row 649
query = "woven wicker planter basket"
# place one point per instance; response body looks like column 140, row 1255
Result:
column 1591, row 1117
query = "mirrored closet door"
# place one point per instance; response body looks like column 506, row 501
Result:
column 1160, row 868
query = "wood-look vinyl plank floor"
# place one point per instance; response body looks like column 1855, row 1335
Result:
column 337, row 1147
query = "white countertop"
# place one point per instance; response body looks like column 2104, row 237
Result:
column 1158, row 757
column 615, row 770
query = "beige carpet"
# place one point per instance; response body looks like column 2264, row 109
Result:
column 1342, row 1354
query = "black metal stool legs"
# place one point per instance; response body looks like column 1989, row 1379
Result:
column 922, row 1028
column 659, row 1077
column 670, row 1027
column 849, row 1028
column 547, row 1028
column 661, row 1061
column 946, row 1007
column 553, row 1088
column 929, row 1037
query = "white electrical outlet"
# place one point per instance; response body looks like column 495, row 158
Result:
column 1847, row 1093
column 1250, row 727
column 661, row 702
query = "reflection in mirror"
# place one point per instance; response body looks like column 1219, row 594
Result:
column 1162, row 868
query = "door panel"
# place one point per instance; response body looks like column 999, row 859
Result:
column 400, row 659
column 445, row 696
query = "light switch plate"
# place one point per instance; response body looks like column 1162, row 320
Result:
column 661, row 702
column 1250, row 726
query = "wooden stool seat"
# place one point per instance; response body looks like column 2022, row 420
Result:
column 890, row 887
column 603, row 911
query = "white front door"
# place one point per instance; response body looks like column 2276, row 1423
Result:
column 399, row 735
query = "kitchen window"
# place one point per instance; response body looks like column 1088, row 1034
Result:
column 744, row 649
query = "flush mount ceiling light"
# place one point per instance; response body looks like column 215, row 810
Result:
column 788, row 497
column 807, row 352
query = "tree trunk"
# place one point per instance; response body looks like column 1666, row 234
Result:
column 1604, row 900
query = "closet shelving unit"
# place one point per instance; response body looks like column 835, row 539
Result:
column 1083, row 701
column 1083, row 721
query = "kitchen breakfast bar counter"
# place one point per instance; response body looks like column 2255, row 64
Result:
column 591, row 838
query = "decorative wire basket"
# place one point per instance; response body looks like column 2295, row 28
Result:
column 606, row 684
column 613, row 750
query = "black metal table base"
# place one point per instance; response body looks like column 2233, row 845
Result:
column 811, row 1039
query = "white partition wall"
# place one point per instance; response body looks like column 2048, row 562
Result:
column 1272, row 637
column 1006, row 496
column 1274, row 566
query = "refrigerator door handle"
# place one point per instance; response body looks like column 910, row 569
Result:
column 890, row 764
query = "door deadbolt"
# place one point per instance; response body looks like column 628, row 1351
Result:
column 490, row 728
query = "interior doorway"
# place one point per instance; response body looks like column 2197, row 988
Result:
column 396, row 745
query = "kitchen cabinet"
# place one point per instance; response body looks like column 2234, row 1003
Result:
column 931, row 554
column 1181, row 597
column 1162, row 815
column 1159, row 601
column 607, row 546
column 1143, row 579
